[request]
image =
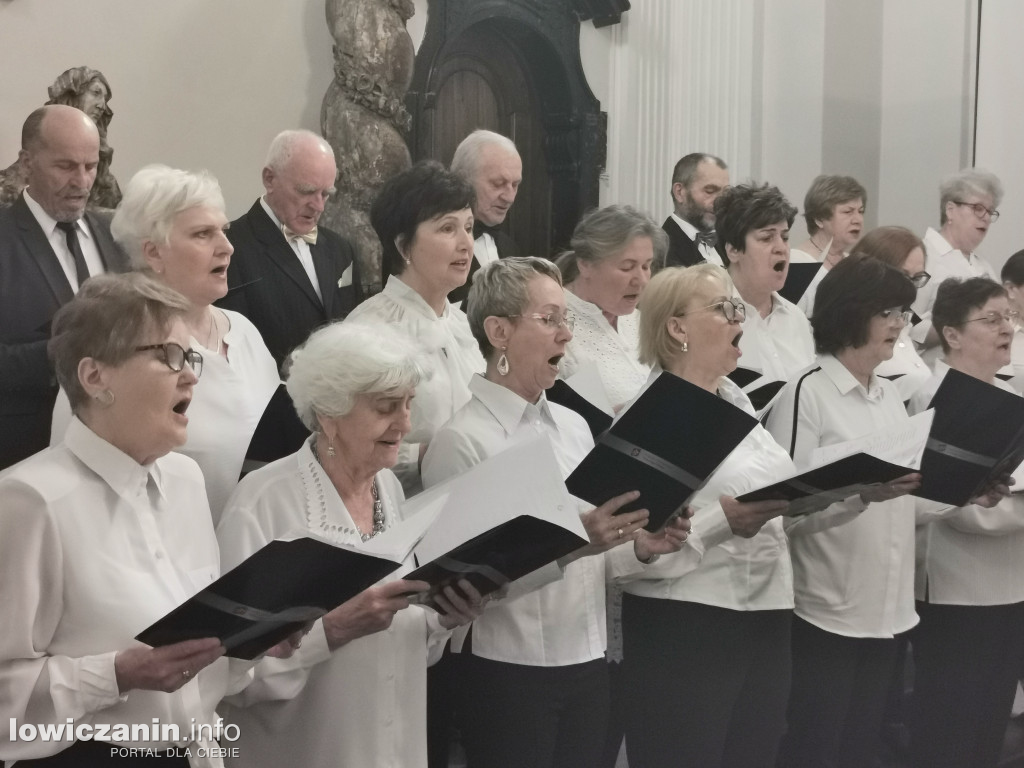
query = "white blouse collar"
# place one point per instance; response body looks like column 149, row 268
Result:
column 117, row 469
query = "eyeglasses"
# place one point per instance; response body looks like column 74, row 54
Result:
column 552, row 320
column 734, row 310
column 175, row 357
column 920, row 280
column 979, row 209
column 897, row 313
column 993, row 319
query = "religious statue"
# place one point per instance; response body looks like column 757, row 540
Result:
column 363, row 116
column 88, row 90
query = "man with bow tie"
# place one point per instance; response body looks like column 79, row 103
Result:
column 49, row 246
column 490, row 162
column 288, row 275
column 697, row 181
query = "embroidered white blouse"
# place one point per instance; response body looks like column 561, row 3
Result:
column 362, row 704
column 453, row 351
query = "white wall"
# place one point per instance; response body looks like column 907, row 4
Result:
column 782, row 89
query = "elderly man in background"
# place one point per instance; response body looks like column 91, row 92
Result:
column 697, row 181
column 49, row 246
column 288, row 275
column 491, row 164
column 968, row 203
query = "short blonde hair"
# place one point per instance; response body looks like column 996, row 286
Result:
column 669, row 295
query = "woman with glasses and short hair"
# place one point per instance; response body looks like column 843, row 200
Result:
column 105, row 533
column 970, row 586
column 853, row 564
column 535, row 693
column 172, row 225
column 900, row 248
column 968, row 206
column 706, row 629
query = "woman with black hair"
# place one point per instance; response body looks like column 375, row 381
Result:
column 853, row 582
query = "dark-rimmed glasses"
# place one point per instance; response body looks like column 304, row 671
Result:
column 979, row 209
column 552, row 320
column 897, row 313
column 734, row 310
column 920, row 280
column 174, row 356
column 993, row 319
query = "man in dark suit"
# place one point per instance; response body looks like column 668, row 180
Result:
column 49, row 245
column 287, row 275
column 490, row 162
column 697, row 180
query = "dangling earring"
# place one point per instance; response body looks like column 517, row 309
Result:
column 503, row 363
column 330, row 447
column 685, row 347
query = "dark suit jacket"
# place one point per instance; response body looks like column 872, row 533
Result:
column 506, row 247
column 32, row 288
column 267, row 284
column 682, row 251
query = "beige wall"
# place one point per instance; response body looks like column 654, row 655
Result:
column 785, row 89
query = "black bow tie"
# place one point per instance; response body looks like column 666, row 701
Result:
column 710, row 239
column 479, row 228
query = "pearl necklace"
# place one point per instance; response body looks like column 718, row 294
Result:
column 378, row 507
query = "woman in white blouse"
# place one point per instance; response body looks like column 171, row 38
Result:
column 354, row 694
column 171, row 223
column 900, row 248
column 753, row 225
column 970, row 584
column 706, row 630
column 535, row 682
column 104, row 534
column 1012, row 276
column 425, row 224
column 853, row 582
column 613, row 251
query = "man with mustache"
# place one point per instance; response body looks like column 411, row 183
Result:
column 490, row 162
column 697, row 181
column 49, row 246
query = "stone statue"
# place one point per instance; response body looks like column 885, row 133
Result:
column 363, row 116
column 88, row 90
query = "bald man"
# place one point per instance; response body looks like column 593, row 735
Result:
column 289, row 275
column 49, row 246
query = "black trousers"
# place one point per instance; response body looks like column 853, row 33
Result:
column 840, row 686
column 97, row 754
column 967, row 662
column 706, row 686
column 518, row 716
column 443, row 684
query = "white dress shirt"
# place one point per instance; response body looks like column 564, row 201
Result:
column 226, row 406
column 613, row 351
column 711, row 256
column 855, row 578
column 363, row 704
column 452, row 350
column 562, row 622
column 806, row 302
column 93, row 549
column 778, row 345
column 943, row 261
column 910, row 372
column 485, row 250
column 968, row 555
column 59, row 242
column 300, row 247
column 729, row 572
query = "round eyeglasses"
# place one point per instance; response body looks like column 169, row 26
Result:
column 897, row 313
column 734, row 310
column 979, row 210
column 174, row 356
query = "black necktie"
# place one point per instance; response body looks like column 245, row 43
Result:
column 70, row 230
column 479, row 228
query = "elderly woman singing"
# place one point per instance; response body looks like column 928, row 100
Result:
column 105, row 533
column 536, row 682
column 354, row 694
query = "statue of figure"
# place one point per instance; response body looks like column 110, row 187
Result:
column 88, row 90
column 363, row 116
